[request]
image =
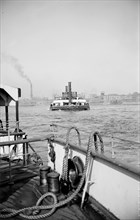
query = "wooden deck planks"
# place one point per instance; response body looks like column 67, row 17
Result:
column 26, row 193
column 67, row 212
column 16, row 173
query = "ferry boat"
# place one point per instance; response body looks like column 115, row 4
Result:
column 72, row 181
column 69, row 101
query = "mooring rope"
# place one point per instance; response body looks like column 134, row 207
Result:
column 65, row 160
column 95, row 135
column 13, row 212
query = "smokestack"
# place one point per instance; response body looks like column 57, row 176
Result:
column 70, row 95
column 31, row 91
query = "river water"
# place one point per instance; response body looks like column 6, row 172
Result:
column 121, row 121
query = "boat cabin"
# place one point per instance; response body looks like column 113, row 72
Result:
column 9, row 129
column 74, row 102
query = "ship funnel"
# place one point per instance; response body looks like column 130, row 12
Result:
column 66, row 89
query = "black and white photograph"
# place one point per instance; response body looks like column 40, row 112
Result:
column 70, row 109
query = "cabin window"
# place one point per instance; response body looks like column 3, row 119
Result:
column 57, row 104
column 65, row 103
column 74, row 103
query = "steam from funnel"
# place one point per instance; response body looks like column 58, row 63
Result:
column 18, row 67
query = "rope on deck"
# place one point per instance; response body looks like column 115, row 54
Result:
column 21, row 212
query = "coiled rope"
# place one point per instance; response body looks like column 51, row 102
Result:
column 65, row 160
column 13, row 212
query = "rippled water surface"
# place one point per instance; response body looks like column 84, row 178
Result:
column 121, row 121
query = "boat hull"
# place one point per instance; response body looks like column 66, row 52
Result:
column 112, row 185
column 70, row 108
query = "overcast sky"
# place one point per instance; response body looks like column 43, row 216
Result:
column 93, row 44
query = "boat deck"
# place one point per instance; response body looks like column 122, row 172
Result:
column 23, row 190
column 14, row 172
column 25, row 197
column 13, row 176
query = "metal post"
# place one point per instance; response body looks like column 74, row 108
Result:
column 17, row 116
column 6, row 117
column 112, row 147
column 88, row 182
column 27, row 154
column 24, row 154
column 10, row 175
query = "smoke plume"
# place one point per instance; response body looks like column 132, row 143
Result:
column 18, row 67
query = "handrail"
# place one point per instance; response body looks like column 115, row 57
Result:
column 99, row 157
column 106, row 136
column 117, row 164
column 121, row 139
column 21, row 141
column 4, row 133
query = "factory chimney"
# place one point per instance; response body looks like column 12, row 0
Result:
column 70, row 94
column 31, row 91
